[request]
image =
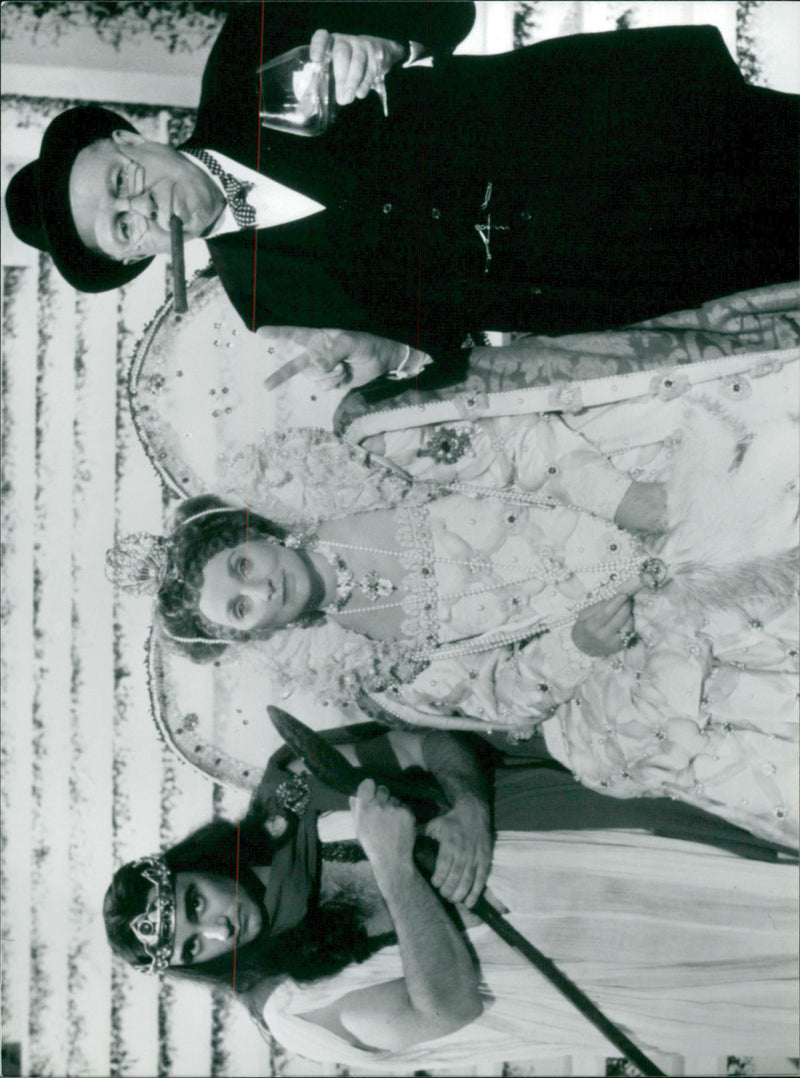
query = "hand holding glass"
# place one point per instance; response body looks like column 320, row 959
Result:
column 297, row 94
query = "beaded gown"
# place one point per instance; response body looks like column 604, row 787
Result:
column 702, row 706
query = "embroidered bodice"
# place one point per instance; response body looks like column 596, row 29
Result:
column 506, row 571
column 484, row 571
column 702, row 706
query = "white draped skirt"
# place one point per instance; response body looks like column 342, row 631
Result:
column 686, row 948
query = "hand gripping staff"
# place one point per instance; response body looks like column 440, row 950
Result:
column 331, row 767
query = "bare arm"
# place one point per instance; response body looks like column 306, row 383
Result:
column 456, row 766
column 464, row 833
column 439, row 992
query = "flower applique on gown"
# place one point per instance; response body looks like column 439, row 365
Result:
column 704, row 706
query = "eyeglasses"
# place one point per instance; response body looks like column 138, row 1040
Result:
column 133, row 227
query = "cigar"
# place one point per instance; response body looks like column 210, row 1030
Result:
column 178, row 265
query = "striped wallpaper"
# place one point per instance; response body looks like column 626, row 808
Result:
column 86, row 783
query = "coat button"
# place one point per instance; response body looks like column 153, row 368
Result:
column 387, row 207
column 436, row 214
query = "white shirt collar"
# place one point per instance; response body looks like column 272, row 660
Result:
column 274, row 203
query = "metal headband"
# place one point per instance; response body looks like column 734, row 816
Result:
column 155, row 927
column 139, row 563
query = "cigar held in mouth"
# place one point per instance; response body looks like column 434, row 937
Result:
column 178, row 265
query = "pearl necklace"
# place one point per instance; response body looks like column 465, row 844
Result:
column 371, row 583
column 653, row 569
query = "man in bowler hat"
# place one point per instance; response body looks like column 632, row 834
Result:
column 578, row 184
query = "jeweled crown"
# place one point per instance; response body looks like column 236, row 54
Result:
column 154, row 928
column 138, row 563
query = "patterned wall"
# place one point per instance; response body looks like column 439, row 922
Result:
column 86, row 783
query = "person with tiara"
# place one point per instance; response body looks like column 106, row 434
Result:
column 318, row 919
column 647, row 627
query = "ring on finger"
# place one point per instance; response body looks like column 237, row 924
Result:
column 629, row 638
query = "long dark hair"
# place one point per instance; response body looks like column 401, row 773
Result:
column 330, row 937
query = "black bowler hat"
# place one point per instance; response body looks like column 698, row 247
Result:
column 38, row 206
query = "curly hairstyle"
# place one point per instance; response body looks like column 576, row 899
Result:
column 194, row 542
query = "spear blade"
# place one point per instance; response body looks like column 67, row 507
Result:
column 322, row 759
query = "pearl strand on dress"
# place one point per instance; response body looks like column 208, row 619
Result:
column 621, row 569
column 552, row 577
column 511, row 636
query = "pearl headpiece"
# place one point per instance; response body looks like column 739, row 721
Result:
column 155, row 927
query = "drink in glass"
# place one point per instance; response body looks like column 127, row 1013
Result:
column 297, row 93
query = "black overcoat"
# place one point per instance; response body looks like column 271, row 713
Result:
column 623, row 175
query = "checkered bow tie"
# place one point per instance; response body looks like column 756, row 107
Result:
column 235, row 192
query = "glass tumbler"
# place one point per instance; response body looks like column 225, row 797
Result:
column 297, row 93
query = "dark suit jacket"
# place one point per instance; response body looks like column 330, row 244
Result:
column 620, row 167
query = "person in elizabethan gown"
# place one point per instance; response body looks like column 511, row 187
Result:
column 521, row 576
